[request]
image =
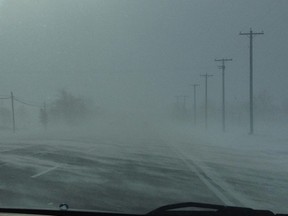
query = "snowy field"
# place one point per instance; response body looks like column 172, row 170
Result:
column 143, row 169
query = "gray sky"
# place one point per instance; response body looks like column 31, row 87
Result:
column 140, row 52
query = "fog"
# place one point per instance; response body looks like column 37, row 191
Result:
column 128, row 60
column 103, row 103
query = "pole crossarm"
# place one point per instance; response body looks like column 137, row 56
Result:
column 253, row 33
column 223, row 59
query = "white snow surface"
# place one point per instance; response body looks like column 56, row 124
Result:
column 236, row 168
column 250, row 169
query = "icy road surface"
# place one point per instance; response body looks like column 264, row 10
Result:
column 140, row 174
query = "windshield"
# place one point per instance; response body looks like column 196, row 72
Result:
column 128, row 105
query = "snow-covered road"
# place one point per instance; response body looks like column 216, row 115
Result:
column 141, row 173
column 125, row 177
column 241, row 169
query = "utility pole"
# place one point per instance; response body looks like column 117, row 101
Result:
column 206, row 98
column 45, row 117
column 251, row 34
column 13, row 112
column 195, row 104
column 223, row 91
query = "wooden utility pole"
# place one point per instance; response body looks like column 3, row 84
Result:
column 250, row 34
column 223, row 92
column 13, row 112
column 195, row 103
column 206, row 98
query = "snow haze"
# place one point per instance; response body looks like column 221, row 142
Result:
column 103, row 91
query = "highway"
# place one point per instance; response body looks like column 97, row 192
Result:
column 134, row 175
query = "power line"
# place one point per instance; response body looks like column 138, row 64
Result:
column 28, row 104
column 13, row 99
column 4, row 98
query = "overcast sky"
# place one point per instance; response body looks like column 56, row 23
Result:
column 141, row 52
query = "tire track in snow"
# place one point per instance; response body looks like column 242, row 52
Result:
column 221, row 189
column 45, row 171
